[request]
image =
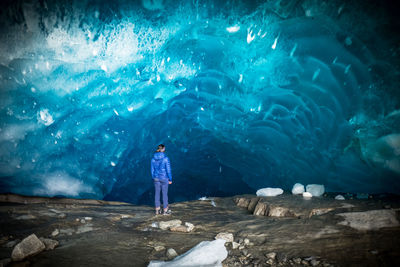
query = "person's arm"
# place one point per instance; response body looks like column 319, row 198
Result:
column 152, row 168
column 168, row 168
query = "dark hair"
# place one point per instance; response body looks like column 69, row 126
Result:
column 160, row 146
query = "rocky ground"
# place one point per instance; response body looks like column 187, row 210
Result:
column 285, row 230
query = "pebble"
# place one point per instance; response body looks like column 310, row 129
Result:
column 271, row 255
column 314, row 262
column 83, row 221
column 159, row 248
column 270, row 261
column 235, row 245
column 246, row 241
column 88, row 218
column 297, row 260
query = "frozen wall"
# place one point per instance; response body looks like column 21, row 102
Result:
column 243, row 94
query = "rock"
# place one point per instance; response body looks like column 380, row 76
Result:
column 278, row 212
column 271, row 255
column 84, row 228
column 241, row 247
column 316, row 190
column 88, row 218
column 189, row 226
column 228, row 237
column 298, row 189
column 159, row 248
column 26, row 217
column 314, row 262
column 260, row 209
column 164, row 225
column 62, row 216
column 242, row 202
column 253, row 204
column 50, row 244
column 246, row 241
column 11, row 243
column 55, row 232
column 370, row 220
column 297, row 260
column 179, row 228
column 270, row 262
column 339, row 197
column 171, row 253
column 29, row 246
column 5, row 262
column 83, row 221
column 307, row 195
column 269, row 192
column 235, row 245
column 305, row 263
column 320, row 211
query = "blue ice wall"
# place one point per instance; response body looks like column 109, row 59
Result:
column 243, row 94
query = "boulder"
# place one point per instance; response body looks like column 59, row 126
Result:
column 29, row 246
column 171, row 253
column 269, row 192
column 316, row 190
column 242, row 202
column 179, row 228
column 50, row 244
column 164, row 225
column 253, row 204
column 298, row 189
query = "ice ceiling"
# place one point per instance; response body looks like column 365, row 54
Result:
column 243, row 94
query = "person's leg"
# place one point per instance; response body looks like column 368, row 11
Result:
column 157, row 188
column 164, row 185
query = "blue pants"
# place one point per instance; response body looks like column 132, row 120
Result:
column 161, row 185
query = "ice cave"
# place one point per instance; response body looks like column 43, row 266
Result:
column 244, row 95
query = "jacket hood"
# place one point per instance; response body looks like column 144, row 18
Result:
column 159, row 155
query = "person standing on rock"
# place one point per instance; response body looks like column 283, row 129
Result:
column 161, row 174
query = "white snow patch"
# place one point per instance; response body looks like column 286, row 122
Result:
column 316, row 190
column 269, row 192
column 206, row 253
column 298, row 189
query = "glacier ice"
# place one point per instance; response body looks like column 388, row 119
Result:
column 243, row 96
column 269, row 192
column 206, row 253
column 297, row 189
column 316, row 190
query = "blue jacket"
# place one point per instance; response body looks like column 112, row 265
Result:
column 160, row 166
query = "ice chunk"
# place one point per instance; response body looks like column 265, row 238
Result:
column 316, row 190
column 298, row 189
column 339, row 197
column 269, row 192
column 307, row 195
column 206, row 253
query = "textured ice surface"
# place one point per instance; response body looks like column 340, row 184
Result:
column 243, row 95
column 269, row 192
column 206, row 253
